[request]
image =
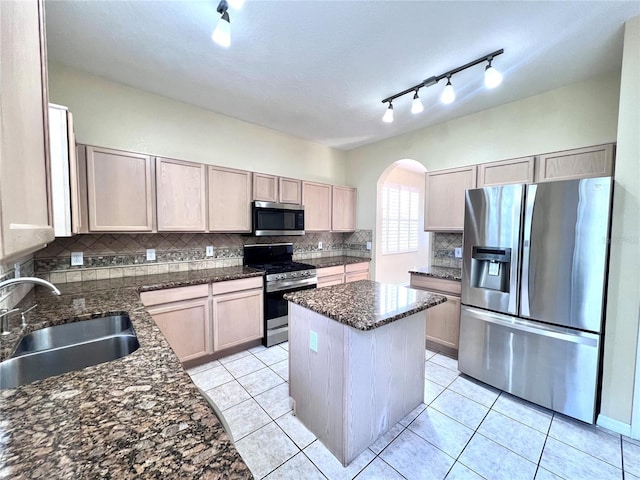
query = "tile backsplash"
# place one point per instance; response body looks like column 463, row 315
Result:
column 10, row 296
column 443, row 250
column 124, row 255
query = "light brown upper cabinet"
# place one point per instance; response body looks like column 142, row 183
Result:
column 587, row 162
column 343, row 211
column 120, row 191
column 290, row 190
column 229, row 200
column 444, row 198
column 316, row 198
column 518, row 170
column 181, row 196
column 25, row 217
column 265, row 187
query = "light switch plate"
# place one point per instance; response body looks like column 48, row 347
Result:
column 76, row 259
column 368, row 245
column 458, row 252
column 16, row 270
column 313, row 341
column 319, row 245
column 209, row 251
column 151, row 254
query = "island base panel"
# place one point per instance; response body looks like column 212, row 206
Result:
column 358, row 384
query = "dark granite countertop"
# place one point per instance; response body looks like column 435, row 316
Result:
column 140, row 416
column 365, row 304
column 334, row 261
column 445, row 273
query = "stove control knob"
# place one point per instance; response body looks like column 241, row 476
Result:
column 294, row 274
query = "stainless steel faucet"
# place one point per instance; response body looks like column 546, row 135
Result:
column 35, row 280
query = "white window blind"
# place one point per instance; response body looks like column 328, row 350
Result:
column 400, row 218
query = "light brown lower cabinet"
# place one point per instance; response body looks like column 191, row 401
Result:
column 443, row 321
column 343, row 274
column 183, row 316
column 356, row 271
column 201, row 320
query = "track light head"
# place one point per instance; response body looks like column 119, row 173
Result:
column 236, row 4
column 388, row 114
column 492, row 77
column 448, row 95
column 222, row 33
column 416, row 104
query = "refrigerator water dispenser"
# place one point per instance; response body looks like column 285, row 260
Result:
column 490, row 268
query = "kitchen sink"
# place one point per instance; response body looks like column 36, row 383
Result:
column 74, row 333
column 53, row 353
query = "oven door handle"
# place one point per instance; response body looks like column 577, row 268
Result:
column 290, row 284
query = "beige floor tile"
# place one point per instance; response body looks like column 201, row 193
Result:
column 211, row 378
column 244, row 366
column 272, row 355
column 294, row 428
column 444, row 361
column 439, row 374
column 386, row 438
column 571, row 463
column 525, row 412
column 227, row 395
column 441, row 431
column 475, row 390
column 460, row 408
column 515, row 436
column 298, row 467
column 460, row 472
column 275, row 401
column 282, row 369
column 494, row 461
column 543, row 474
column 331, row 467
column 431, row 391
column 257, row 382
column 631, row 454
column 235, row 356
column 245, row 418
column 266, row 449
column 379, row 470
column 414, row 457
column 203, row 367
column 411, row 416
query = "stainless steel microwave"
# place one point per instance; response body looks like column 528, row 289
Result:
column 277, row 219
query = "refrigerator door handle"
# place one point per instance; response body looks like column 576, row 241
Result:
column 526, row 249
column 536, row 328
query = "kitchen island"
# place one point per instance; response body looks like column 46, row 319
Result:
column 356, row 360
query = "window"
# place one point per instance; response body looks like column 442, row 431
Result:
column 400, row 218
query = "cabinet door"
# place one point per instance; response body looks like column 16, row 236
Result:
column 316, row 198
column 443, row 322
column 120, row 191
column 587, row 162
column 444, row 198
column 186, row 326
column 265, row 187
column 181, row 196
column 290, row 190
column 229, row 200
column 25, row 217
column 237, row 318
column 518, row 170
column 343, row 213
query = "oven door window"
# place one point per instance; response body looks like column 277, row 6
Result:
column 276, row 306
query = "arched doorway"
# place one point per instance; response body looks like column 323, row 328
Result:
column 399, row 247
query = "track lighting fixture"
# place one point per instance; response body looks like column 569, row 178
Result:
column 388, row 114
column 492, row 78
column 448, row 95
column 236, row 4
column 416, row 104
column 222, row 33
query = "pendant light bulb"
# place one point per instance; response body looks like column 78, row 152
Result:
column 448, row 94
column 388, row 114
column 236, row 4
column 492, row 77
column 222, row 33
column 416, row 104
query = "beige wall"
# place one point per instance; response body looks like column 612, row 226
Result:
column 574, row 116
column 623, row 305
column 394, row 268
column 114, row 115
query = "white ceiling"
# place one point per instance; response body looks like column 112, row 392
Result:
column 319, row 69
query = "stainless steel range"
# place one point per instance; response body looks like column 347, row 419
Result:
column 283, row 275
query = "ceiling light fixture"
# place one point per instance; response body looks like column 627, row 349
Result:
column 388, row 114
column 222, row 33
column 236, row 4
column 416, row 104
column 492, row 79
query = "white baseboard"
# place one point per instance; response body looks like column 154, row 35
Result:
column 615, row 425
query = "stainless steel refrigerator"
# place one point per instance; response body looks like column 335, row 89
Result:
column 533, row 291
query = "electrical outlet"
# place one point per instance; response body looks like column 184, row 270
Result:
column 151, row 254
column 76, row 259
column 16, row 270
column 368, row 245
column 458, row 252
column 209, row 252
column 319, row 245
column 313, row 341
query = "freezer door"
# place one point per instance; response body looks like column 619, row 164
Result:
column 491, row 253
column 565, row 252
column 551, row 366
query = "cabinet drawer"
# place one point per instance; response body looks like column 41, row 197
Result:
column 168, row 295
column 330, row 280
column 330, row 271
column 436, row 284
column 227, row 286
column 357, row 267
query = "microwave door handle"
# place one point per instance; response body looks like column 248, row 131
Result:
column 527, row 269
